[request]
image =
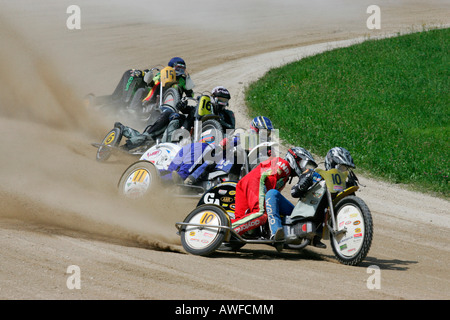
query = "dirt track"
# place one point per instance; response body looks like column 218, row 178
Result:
column 60, row 207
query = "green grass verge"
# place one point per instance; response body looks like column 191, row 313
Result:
column 386, row 101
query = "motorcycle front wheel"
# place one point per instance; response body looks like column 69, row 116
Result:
column 352, row 246
column 138, row 180
column 202, row 238
column 111, row 139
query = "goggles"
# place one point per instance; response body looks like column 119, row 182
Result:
column 307, row 165
column 222, row 101
column 263, row 132
column 180, row 69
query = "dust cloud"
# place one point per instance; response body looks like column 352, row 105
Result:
column 49, row 173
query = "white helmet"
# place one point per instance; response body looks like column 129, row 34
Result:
column 338, row 156
column 299, row 160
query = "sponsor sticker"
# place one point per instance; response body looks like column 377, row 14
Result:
column 227, row 199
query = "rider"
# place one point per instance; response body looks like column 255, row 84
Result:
column 220, row 98
column 337, row 157
column 261, row 123
column 179, row 65
column 341, row 159
column 260, row 131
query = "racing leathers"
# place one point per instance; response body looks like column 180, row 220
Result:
column 278, row 207
column 251, row 190
column 227, row 119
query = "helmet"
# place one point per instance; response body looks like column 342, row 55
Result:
column 220, row 97
column 178, row 64
column 299, row 160
column 338, row 157
column 261, row 122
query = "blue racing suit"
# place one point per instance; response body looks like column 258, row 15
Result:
column 191, row 160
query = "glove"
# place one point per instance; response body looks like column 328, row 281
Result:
column 182, row 106
column 136, row 73
column 304, row 183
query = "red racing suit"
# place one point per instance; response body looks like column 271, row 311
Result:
column 251, row 190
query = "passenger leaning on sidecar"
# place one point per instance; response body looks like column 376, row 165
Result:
column 190, row 163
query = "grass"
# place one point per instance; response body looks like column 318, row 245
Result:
column 386, row 101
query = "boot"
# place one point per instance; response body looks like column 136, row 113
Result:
column 278, row 239
column 119, row 125
column 318, row 244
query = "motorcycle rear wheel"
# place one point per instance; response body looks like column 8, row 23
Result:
column 204, row 240
column 171, row 97
column 351, row 247
column 138, row 180
column 111, row 139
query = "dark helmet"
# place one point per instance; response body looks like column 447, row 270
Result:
column 261, row 122
column 338, row 156
column 178, row 64
column 299, row 160
column 220, row 96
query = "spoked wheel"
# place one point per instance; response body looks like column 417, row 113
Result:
column 139, row 180
column 352, row 246
column 202, row 238
column 111, row 139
